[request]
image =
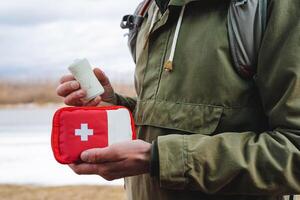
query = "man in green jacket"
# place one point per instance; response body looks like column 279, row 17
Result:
column 205, row 132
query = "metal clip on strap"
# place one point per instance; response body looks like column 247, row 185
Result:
column 135, row 21
column 131, row 21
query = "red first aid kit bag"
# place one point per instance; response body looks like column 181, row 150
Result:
column 76, row 129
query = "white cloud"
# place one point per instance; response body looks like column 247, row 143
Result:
column 39, row 11
column 49, row 34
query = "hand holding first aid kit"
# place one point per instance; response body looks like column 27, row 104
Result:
column 76, row 129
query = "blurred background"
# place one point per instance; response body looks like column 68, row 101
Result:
column 38, row 40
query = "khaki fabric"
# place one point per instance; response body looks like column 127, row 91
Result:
column 219, row 136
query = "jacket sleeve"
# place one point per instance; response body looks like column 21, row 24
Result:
column 266, row 163
column 128, row 102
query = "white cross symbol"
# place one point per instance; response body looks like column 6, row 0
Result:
column 84, row 132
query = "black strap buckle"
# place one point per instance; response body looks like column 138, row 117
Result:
column 131, row 21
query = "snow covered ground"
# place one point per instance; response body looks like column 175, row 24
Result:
column 25, row 151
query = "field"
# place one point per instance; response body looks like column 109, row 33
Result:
column 41, row 92
column 10, row 192
column 14, row 192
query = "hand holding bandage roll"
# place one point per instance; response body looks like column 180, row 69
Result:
column 83, row 73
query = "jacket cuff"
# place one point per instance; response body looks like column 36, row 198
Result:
column 127, row 102
column 172, row 152
column 154, row 162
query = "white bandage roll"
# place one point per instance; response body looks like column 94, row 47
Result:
column 83, row 73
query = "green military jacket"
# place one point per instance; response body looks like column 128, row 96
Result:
column 219, row 136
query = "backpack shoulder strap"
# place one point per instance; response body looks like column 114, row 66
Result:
column 133, row 23
column 247, row 21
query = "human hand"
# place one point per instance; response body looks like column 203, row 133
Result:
column 73, row 95
column 116, row 161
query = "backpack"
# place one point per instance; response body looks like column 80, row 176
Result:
column 246, row 23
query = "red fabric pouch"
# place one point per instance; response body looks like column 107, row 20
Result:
column 76, row 129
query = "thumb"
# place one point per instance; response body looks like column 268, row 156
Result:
column 98, row 155
column 103, row 79
column 91, row 155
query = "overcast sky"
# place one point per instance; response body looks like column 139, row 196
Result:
column 47, row 35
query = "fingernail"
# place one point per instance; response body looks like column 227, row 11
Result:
column 75, row 85
column 84, row 156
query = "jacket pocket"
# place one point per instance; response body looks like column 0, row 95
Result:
column 190, row 118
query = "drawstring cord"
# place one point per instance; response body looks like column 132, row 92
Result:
column 169, row 64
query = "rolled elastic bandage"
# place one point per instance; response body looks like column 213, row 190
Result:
column 83, row 73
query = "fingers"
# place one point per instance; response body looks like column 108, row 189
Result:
column 102, row 77
column 75, row 98
column 67, row 88
column 108, row 171
column 94, row 102
column 84, row 168
column 102, row 155
column 78, row 103
column 67, row 78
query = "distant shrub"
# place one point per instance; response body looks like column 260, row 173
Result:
column 41, row 92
